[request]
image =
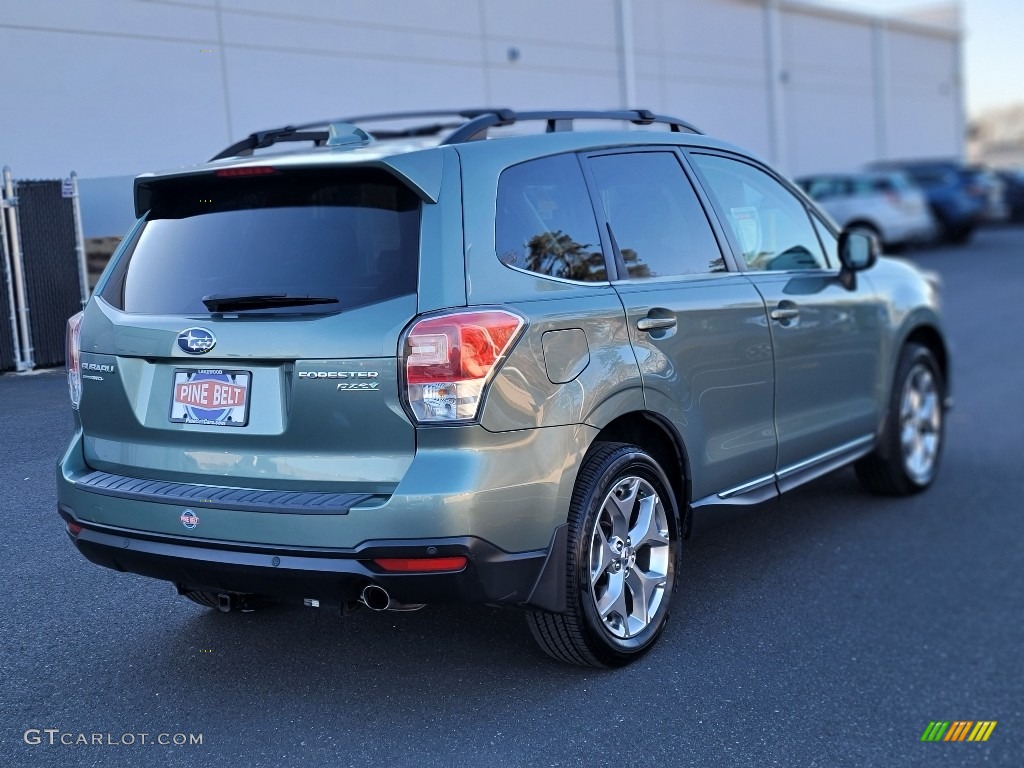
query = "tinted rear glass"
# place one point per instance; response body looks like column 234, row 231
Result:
column 351, row 235
column 545, row 222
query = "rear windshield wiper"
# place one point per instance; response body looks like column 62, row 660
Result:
column 219, row 303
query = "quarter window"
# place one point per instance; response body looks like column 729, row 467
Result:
column 770, row 224
column 545, row 222
column 659, row 224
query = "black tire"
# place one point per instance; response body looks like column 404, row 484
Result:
column 950, row 232
column 888, row 471
column 960, row 235
column 581, row 636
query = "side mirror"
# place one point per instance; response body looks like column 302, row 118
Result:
column 857, row 251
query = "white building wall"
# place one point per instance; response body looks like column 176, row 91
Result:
column 124, row 86
column 927, row 100
column 704, row 61
column 829, row 92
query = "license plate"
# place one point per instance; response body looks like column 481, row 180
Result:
column 211, row 396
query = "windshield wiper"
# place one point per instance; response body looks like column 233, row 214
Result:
column 219, row 303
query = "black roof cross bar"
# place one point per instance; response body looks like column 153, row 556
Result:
column 561, row 120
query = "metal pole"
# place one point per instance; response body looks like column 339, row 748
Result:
column 21, row 299
column 5, row 263
column 880, row 39
column 83, row 266
column 959, row 107
column 628, row 55
column 776, row 80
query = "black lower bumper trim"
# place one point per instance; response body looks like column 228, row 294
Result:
column 490, row 576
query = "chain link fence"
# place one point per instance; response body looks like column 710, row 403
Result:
column 43, row 269
column 8, row 323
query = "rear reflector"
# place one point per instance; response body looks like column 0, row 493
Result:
column 74, row 529
column 254, row 170
column 420, row 564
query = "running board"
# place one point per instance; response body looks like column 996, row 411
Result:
column 727, row 504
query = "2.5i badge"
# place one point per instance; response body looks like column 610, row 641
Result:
column 211, row 396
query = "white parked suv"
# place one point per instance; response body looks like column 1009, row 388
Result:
column 885, row 204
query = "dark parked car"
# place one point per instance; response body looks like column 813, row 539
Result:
column 1013, row 183
column 958, row 196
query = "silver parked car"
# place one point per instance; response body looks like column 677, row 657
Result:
column 886, row 204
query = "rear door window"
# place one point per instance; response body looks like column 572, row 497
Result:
column 349, row 235
column 659, row 225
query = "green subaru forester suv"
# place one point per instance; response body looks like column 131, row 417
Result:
column 459, row 361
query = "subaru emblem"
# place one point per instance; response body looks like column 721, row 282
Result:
column 196, row 341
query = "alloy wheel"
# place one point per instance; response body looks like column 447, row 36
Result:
column 629, row 557
column 920, row 423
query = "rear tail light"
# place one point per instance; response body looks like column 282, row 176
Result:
column 74, row 529
column 73, row 359
column 449, row 360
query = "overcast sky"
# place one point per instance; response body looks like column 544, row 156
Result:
column 993, row 47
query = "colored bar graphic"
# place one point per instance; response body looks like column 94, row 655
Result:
column 959, row 730
column 983, row 730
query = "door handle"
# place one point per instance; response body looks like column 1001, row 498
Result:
column 785, row 313
column 655, row 323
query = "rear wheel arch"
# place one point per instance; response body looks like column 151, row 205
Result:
column 659, row 438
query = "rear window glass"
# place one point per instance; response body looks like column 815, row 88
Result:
column 351, row 235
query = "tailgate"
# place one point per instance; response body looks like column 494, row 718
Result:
column 249, row 335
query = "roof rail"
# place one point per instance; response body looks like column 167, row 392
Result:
column 263, row 139
column 470, row 125
column 304, row 132
column 561, row 120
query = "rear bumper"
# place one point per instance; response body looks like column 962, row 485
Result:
column 511, row 489
column 333, row 577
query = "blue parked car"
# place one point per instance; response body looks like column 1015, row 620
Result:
column 956, row 198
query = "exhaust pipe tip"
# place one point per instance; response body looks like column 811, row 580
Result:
column 375, row 598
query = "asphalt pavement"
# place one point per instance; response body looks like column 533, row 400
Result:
column 825, row 629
